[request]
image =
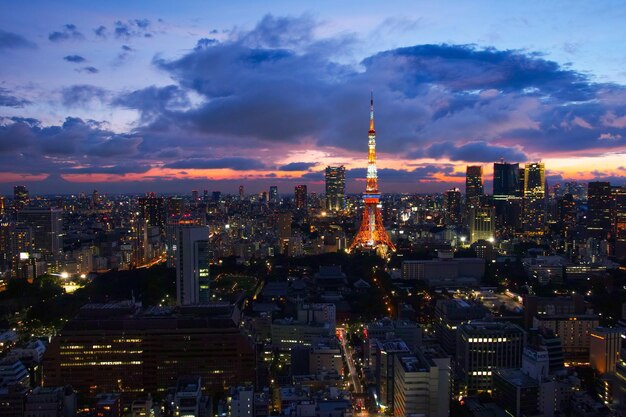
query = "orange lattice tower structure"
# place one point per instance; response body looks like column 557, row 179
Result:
column 372, row 234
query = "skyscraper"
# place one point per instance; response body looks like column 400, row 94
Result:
column 335, row 188
column 600, row 205
column 95, row 199
column 300, row 197
column 152, row 210
column 619, row 193
column 482, row 223
column 473, row 184
column 534, row 198
column 20, row 197
column 505, row 180
column 372, row 233
column 605, row 347
column 241, row 194
column 46, row 225
column 273, row 194
column 483, row 347
column 507, row 197
column 192, row 265
column 453, row 206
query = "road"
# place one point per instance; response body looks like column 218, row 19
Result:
column 347, row 352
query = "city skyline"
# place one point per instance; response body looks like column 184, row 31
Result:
column 144, row 98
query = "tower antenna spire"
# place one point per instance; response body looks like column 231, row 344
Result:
column 372, row 130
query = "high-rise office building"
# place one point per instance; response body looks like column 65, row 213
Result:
column 600, row 209
column 566, row 207
column 5, row 244
column 20, row 245
column 175, row 209
column 473, row 184
column 2, row 207
column 283, row 230
column 283, row 225
column 46, row 225
column 273, row 194
column 619, row 194
column 152, row 210
column 335, row 188
column 300, row 197
column 482, row 221
column 453, row 206
column 386, row 351
column 241, row 194
column 216, row 196
column 422, row 384
column 516, row 392
column 192, row 265
column 121, row 347
column 574, row 330
column 507, row 196
column 505, row 180
column 449, row 315
column 95, row 199
column 534, row 198
column 482, row 348
column 20, row 197
column 604, row 349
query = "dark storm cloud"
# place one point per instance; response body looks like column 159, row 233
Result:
column 15, row 136
column 153, row 101
column 421, row 173
column 115, row 146
column 10, row 40
column 486, row 103
column 113, row 169
column 297, row 166
column 81, row 95
column 77, row 59
column 470, row 152
column 67, row 32
column 254, row 95
column 235, row 163
column 465, row 67
column 28, row 147
column 7, row 99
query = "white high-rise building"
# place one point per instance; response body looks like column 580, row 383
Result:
column 192, row 265
column 422, row 384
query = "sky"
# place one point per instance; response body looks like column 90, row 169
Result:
column 173, row 96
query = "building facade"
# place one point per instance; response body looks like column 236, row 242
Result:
column 335, row 188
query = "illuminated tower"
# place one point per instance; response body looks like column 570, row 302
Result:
column 372, row 233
